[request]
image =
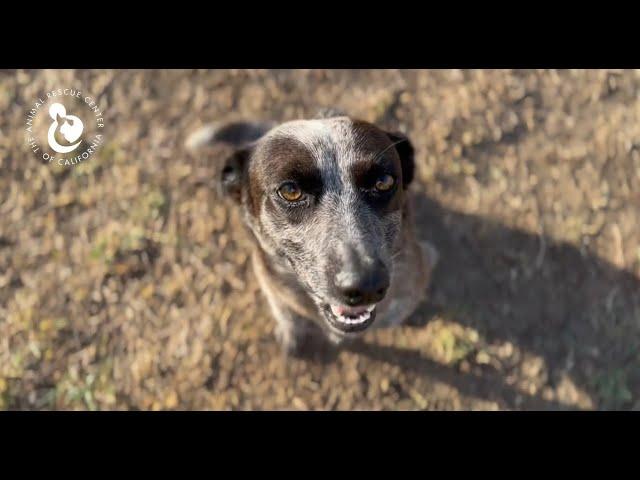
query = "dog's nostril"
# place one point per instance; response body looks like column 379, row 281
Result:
column 362, row 286
column 352, row 296
column 358, row 296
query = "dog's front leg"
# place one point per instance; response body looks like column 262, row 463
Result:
column 290, row 333
column 291, row 329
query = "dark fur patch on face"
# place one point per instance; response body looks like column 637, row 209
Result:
column 280, row 160
column 376, row 157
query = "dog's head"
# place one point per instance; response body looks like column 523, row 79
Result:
column 326, row 196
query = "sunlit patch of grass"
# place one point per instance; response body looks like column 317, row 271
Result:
column 451, row 342
column 16, row 364
column 23, row 310
column 124, row 251
column 111, row 153
column 48, row 329
column 87, row 390
column 101, row 252
column 133, row 239
column 3, row 393
column 75, row 391
column 114, row 240
column 5, row 96
column 151, row 206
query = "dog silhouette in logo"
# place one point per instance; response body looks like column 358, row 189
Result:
column 69, row 126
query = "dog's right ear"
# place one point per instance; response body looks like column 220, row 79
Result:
column 234, row 172
column 406, row 152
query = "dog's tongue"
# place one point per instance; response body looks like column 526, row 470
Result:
column 350, row 311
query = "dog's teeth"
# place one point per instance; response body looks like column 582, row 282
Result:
column 363, row 314
column 362, row 311
column 352, row 321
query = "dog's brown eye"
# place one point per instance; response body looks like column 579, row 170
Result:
column 385, row 183
column 290, row 192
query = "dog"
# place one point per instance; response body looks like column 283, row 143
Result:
column 327, row 203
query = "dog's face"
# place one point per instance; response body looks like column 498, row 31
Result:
column 326, row 196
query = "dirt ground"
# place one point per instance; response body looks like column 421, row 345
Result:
column 125, row 282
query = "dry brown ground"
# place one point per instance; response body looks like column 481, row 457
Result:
column 124, row 281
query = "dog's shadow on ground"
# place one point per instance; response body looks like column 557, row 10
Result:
column 576, row 311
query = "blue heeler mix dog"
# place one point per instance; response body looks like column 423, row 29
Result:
column 326, row 200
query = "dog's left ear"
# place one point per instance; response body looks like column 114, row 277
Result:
column 233, row 173
column 406, row 153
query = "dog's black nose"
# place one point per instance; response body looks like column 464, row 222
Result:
column 363, row 287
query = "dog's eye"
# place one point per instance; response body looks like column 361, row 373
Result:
column 290, row 192
column 384, row 183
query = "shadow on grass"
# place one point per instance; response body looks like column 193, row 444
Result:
column 578, row 312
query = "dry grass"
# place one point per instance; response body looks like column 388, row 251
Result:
column 124, row 281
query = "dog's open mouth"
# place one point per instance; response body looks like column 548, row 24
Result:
column 350, row 319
